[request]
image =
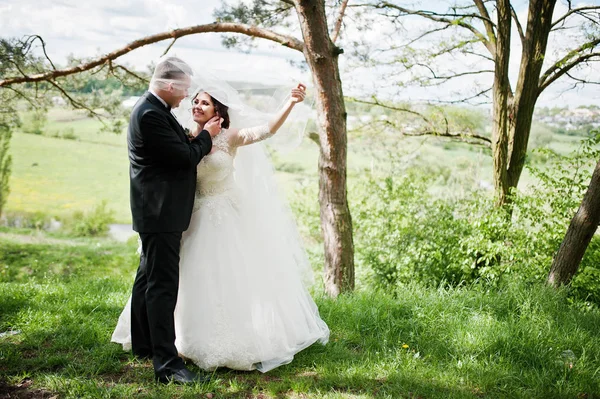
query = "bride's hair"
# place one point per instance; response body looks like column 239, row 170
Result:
column 221, row 109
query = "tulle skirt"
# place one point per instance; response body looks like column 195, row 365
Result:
column 242, row 303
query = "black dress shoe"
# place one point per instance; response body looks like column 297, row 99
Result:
column 183, row 376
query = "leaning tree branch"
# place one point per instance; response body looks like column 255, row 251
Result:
column 127, row 71
column 437, row 17
column 578, row 10
column 223, row 27
column 23, row 96
column 456, row 75
column 338, row 22
column 582, row 81
column 489, row 25
column 464, row 99
column 75, row 103
column 518, row 23
column 567, row 63
column 468, row 138
column 430, row 131
column 377, row 103
column 32, row 38
column 169, row 46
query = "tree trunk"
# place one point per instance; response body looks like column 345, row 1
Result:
column 501, row 92
column 336, row 223
column 539, row 24
column 5, row 163
column 581, row 230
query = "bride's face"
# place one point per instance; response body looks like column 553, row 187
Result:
column 202, row 108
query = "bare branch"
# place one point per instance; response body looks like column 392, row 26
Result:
column 338, row 22
column 430, row 131
column 429, row 32
column 23, row 96
column 572, row 11
column 465, row 99
column 132, row 73
column 287, row 41
column 441, row 17
column 169, row 47
column 489, row 26
column 518, row 23
column 582, row 81
column 448, row 77
column 567, row 63
column 17, row 66
column 32, row 38
column 466, row 137
column 469, row 138
column 75, row 103
column 377, row 103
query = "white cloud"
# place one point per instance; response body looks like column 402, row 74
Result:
column 91, row 27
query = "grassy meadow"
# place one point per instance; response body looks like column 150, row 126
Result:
column 61, row 301
column 72, row 165
column 61, row 295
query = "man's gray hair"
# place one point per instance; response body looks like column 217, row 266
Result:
column 170, row 70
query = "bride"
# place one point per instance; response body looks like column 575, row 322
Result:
column 242, row 301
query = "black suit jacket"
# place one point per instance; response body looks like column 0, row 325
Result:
column 162, row 168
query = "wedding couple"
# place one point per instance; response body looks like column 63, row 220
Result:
column 221, row 274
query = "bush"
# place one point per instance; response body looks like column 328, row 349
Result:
column 34, row 122
column 26, row 220
column 405, row 233
column 95, row 223
column 69, row 134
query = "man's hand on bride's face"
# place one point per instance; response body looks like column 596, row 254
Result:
column 213, row 126
column 298, row 94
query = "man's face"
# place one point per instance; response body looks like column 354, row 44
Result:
column 179, row 91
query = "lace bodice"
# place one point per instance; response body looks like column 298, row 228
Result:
column 215, row 171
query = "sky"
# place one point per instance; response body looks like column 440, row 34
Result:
column 87, row 28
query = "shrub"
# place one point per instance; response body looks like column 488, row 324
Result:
column 34, row 122
column 69, row 134
column 95, row 223
column 25, row 220
column 404, row 232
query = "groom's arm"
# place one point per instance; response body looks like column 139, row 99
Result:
column 164, row 144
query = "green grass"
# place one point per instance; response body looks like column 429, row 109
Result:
column 57, row 176
column 65, row 295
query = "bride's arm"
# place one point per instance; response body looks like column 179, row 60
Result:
column 251, row 135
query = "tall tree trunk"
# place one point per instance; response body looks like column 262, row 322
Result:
column 539, row 24
column 581, row 230
column 501, row 95
column 5, row 163
column 336, row 223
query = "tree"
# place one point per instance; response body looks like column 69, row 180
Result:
column 321, row 55
column 579, row 234
column 483, row 31
column 5, row 164
column 14, row 58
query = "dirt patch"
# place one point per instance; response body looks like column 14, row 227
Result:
column 23, row 390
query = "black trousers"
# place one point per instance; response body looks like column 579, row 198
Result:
column 153, row 302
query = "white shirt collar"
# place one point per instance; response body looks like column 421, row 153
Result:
column 159, row 99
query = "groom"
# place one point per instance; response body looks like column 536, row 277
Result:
column 162, row 182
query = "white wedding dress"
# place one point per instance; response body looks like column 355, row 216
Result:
column 242, row 303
